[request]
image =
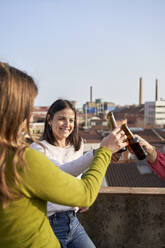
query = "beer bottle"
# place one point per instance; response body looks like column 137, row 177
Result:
column 113, row 125
column 134, row 143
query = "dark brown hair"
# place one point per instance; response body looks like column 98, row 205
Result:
column 74, row 138
column 17, row 93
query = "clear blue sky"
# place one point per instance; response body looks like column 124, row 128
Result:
column 69, row 45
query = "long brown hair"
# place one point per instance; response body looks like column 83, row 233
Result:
column 74, row 138
column 17, row 93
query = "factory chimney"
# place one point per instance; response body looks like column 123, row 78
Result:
column 156, row 90
column 140, row 91
column 90, row 93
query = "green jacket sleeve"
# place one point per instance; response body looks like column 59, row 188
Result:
column 44, row 180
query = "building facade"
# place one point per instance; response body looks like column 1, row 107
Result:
column 154, row 112
column 99, row 106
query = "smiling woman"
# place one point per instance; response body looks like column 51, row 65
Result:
column 62, row 125
column 63, row 144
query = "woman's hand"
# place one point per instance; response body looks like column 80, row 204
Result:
column 115, row 140
column 83, row 210
column 152, row 154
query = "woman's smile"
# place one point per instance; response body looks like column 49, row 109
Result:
column 63, row 124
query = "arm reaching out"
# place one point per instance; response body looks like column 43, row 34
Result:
column 152, row 154
column 155, row 159
column 75, row 167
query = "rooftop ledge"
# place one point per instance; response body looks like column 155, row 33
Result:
column 127, row 217
column 133, row 190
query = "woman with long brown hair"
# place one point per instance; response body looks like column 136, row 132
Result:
column 63, row 144
column 28, row 179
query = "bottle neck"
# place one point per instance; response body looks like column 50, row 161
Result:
column 112, row 120
column 127, row 131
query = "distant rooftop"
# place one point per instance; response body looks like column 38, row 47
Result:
column 132, row 174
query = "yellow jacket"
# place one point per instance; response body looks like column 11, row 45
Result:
column 24, row 223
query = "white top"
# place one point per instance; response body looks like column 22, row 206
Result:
column 68, row 160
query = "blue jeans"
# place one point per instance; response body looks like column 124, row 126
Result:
column 69, row 231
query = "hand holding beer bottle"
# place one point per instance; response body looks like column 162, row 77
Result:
column 113, row 125
column 133, row 141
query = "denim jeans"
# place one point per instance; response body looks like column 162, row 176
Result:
column 69, row 231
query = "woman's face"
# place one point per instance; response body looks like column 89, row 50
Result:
column 62, row 123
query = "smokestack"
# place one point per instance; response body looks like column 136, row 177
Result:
column 90, row 93
column 156, row 90
column 140, row 91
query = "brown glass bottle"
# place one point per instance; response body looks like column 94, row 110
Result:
column 134, row 143
column 113, row 125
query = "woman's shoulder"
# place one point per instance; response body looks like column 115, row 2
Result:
column 40, row 146
column 36, row 162
column 32, row 153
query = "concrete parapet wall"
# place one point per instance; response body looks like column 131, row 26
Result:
column 127, row 218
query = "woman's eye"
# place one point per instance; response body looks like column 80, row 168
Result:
column 61, row 119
